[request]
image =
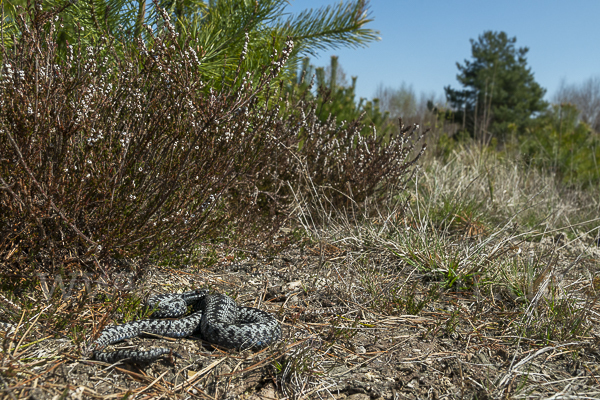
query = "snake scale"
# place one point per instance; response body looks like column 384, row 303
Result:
column 215, row 318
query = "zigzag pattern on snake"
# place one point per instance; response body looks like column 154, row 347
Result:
column 216, row 318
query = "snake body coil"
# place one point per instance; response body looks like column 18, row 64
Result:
column 216, row 318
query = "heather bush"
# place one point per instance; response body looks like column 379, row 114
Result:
column 339, row 159
column 357, row 166
column 111, row 152
column 122, row 155
column 334, row 161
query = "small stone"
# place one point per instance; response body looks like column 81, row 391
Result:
column 292, row 286
column 370, row 376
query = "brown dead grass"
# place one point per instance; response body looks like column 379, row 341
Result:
column 384, row 304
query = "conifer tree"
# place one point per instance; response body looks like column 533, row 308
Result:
column 500, row 94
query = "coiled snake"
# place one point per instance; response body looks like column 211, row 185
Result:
column 216, row 318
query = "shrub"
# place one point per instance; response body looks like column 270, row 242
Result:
column 357, row 166
column 331, row 147
column 108, row 152
column 562, row 144
column 337, row 157
column 122, row 155
column 331, row 160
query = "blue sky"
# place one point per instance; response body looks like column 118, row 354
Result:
column 421, row 41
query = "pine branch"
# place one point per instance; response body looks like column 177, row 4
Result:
column 330, row 27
